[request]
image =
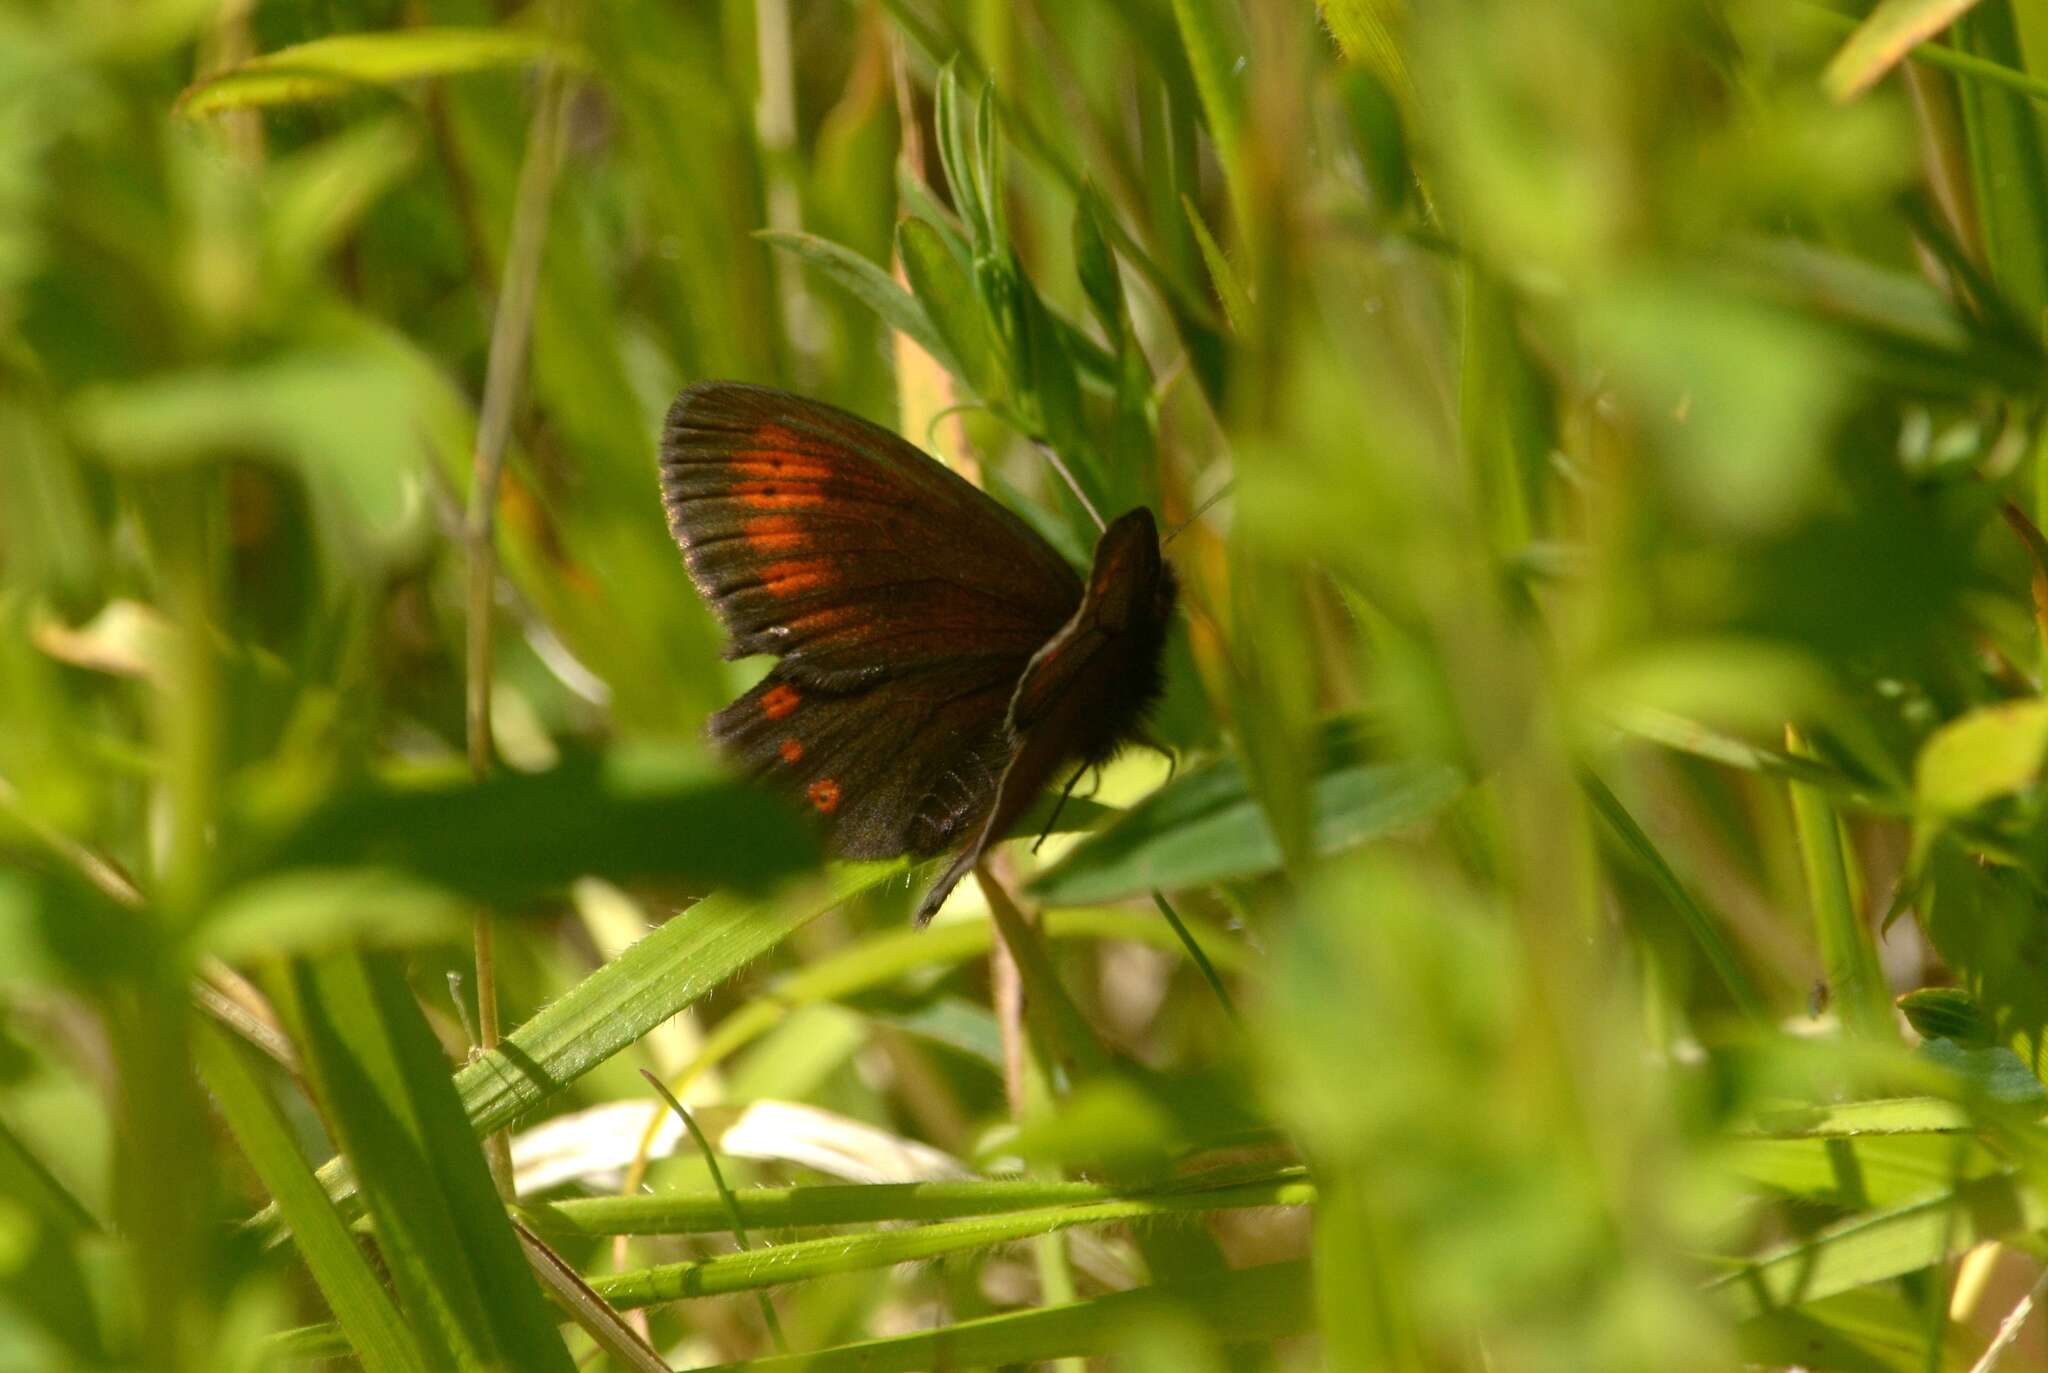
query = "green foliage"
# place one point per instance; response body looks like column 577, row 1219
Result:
column 1603, row 451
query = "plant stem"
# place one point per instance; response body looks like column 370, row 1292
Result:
column 511, row 333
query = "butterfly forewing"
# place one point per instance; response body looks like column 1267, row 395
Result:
column 836, row 546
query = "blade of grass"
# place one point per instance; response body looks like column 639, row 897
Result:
column 326, row 67
column 1936, row 55
column 1882, row 41
column 1237, row 303
column 1848, row 951
column 1195, row 954
column 378, row 1337
column 1064, row 1031
column 696, row 951
column 1886, row 1116
column 1705, row 930
column 782, row 1208
column 1880, row 1245
column 881, row 960
column 689, row 956
column 870, row 284
column 1212, row 34
column 385, row 1093
column 1192, row 317
column 802, row 1260
column 2008, row 163
column 725, row 1200
column 1243, row 1306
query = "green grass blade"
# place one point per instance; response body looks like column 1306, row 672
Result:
column 881, row 960
column 1848, row 950
column 696, row 951
column 2009, row 164
column 1705, row 930
column 946, row 293
column 1205, row 825
column 326, row 67
column 1884, row 1244
column 1848, row 1119
column 1212, row 32
column 871, row 285
column 673, row 1213
column 1884, row 38
column 47, row 1285
column 1244, row 1306
column 803, row 1260
column 377, row 1334
column 452, row 1252
column 1237, row 302
column 623, row 816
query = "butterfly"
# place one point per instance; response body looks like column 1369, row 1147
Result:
column 938, row 661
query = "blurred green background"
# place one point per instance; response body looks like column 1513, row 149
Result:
column 1605, row 440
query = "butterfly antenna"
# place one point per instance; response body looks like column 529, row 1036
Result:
column 1059, row 465
column 1200, row 511
column 1058, row 806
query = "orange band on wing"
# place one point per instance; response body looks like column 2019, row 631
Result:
column 774, row 533
column 791, row 750
column 779, row 700
column 824, row 794
column 793, row 579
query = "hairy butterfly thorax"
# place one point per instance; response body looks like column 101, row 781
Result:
column 938, row 662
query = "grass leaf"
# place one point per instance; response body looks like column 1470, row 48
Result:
column 326, row 67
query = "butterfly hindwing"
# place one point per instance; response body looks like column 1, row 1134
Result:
column 906, row 766
column 835, row 545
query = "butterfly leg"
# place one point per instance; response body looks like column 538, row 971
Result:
column 1145, row 739
column 1026, row 776
column 1059, row 805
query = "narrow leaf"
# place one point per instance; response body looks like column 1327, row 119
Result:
column 948, row 296
column 1883, row 1244
column 384, row 1087
column 1237, row 302
column 1242, row 1306
column 870, row 285
column 1212, row 32
column 802, row 1260
column 881, row 960
column 1990, row 752
column 674, row 1213
column 1883, row 39
column 694, row 952
column 326, row 67
column 377, row 1333
column 1704, row 928
column 1205, row 825
column 623, row 816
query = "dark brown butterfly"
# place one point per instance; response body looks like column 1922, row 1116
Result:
column 939, row 661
